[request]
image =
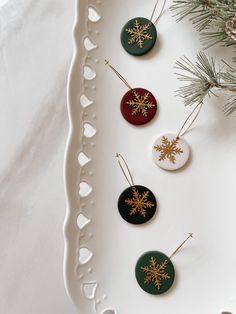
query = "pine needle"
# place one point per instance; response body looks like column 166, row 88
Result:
column 209, row 17
column 203, row 79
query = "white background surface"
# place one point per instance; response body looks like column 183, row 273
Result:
column 36, row 49
column 200, row 198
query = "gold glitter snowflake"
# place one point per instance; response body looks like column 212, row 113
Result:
column 140, row 104
column 155, row 272
column 168, row 149
column 139, row 202
column 138, row 34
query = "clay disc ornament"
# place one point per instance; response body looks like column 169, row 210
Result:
column 138, row 36
column 137, row 204
column 138, row 106
column 155, row 272
column 170, row 152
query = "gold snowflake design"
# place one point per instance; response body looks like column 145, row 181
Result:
column 155, row 273
column 168, row 149
column 138, row 34
column 139, row 202
column 140, row 104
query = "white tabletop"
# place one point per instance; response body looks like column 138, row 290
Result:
column 36, row 49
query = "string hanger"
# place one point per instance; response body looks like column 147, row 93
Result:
column 179, row 247
column 118, row 74
column 125, row 169
column 194, row 114
column 154, row 10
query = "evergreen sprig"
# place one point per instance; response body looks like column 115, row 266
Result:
column 203, row 79
column 210, row 17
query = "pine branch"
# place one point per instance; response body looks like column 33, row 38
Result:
column 203, row 79
column 214, row 19
column 230, row 107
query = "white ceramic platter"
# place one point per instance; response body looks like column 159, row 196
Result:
column 100, row 258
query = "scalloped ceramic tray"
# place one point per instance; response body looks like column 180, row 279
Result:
column 101, row 249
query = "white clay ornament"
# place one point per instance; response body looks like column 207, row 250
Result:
column 170, row 151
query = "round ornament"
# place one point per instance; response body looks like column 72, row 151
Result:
column 138, row 36
column 138, row 106
column 155, row 272
column 170, row 152
column 137, row 204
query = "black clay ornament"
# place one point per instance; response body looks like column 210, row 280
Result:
column 155, row 272
column 138, row 106
column 171, row 151
column 136, row 204
column 139, row 35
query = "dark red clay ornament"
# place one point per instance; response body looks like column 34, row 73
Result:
column 138, row 106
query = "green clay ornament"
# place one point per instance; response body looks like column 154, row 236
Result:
column 139, row 35
column 155, row 272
